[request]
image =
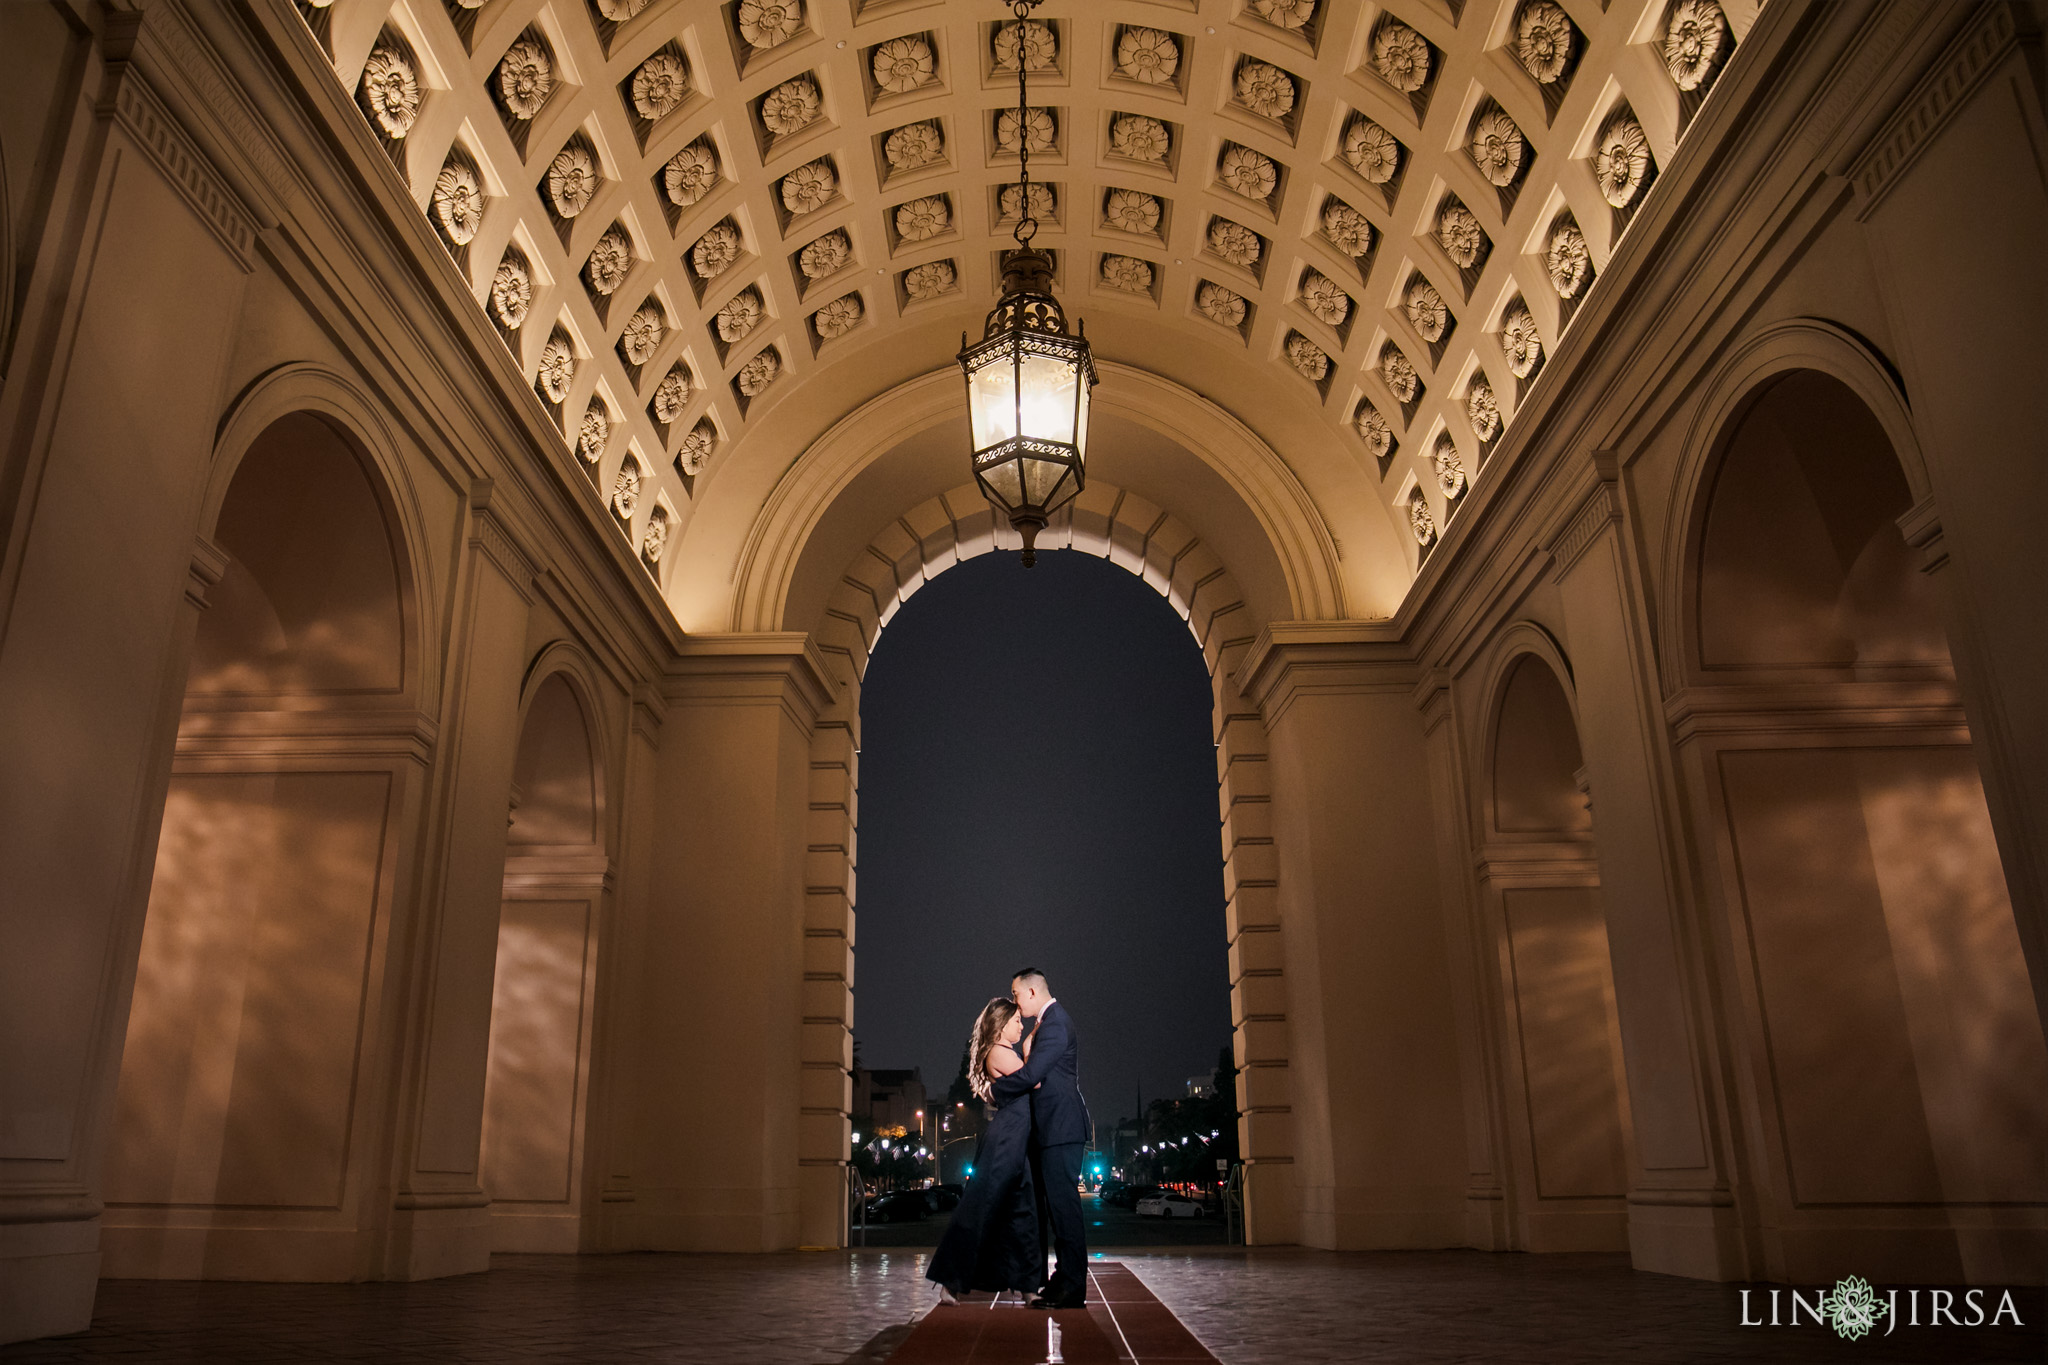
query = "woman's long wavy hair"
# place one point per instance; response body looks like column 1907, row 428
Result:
column 995, row 1016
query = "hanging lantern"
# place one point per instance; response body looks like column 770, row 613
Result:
column 1028, row 378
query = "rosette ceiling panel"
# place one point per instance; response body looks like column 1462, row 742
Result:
column 681, row 214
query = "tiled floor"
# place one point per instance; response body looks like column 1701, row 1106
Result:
column 1266, row 1307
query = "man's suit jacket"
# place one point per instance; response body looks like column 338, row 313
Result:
column 1058, row 1113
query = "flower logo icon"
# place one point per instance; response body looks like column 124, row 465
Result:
column 1852, row 1308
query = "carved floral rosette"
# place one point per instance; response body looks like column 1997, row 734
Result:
column 1372, row 151
column 1234, row 242
column 739, row 316
column 1324, row 299
column 930, row 280
column 1041, row 46
column 689, row 175
column 914, row 145
column 511, row 291
column 697, row 447
column 655, row 539
column 920, row 220
column 618, row 11
column 671, row 395
column 458, row 201
column 838, row 317
column 1460, row 235
column 1483, row 408
column 1140, row 137
column 757, row 374
column 1498, row 148
column 810, row 186
column 626, row 489
column 593, row 432
column 572, row 180
column 1621, row 159
column 1426, row 311
column 1374, row 431
column 642, row 334
column 557, row 368
column 1039, row 129
column 715, row 252
column 1249, row 173
column 610, row 262
column 826, row 256
column 769, row 23
column 1131, row 211
column 1401, row 56
column 390, row 91
column 1265, row 89
column 1397, row 371
column 526, row 77
column 1149, row 56
column 1127, row 273
column 1348, row 229
column 1307, row 357
column 1543, row 41
column 1521, row 341
column 1420, row 520
column 1293, row 15
column 1692, row 42
column 1218, row 304
column 1567, row 261
column 902, row 65
column 1450, row 469
column 791, row 106
column 659, row 86
column 1044, row 206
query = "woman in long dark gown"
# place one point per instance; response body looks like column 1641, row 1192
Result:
column 992, row 1242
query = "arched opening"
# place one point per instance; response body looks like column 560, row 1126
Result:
column 1567, row 1114
column 1106, row 523
column 239, row 1147
column 1894, row 1042
column 1038, row 785
column 537, row 1080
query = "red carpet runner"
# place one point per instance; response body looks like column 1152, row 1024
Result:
column 1123, row 1324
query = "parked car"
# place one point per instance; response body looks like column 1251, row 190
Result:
column 1166, row 1204
column 1127, row 1196
column 946, row 1197
column 905, row 1206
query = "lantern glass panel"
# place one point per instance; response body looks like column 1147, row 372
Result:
column 1006, row 483
column 1081, row 420
column 1048, row 398
column 991, row 401
column 1040, row 476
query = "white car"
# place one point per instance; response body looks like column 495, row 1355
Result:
column 1170, row 1206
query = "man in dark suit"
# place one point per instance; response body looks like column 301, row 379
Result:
column 1059, row 1133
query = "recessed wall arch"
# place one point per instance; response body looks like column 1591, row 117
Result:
column 1255, row 473
column 565, row 660
column 1741, row 380
column 1525, row 643
column 352, row 413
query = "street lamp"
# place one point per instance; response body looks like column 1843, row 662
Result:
column 1027, row 378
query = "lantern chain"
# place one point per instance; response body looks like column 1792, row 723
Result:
column 1027, row 225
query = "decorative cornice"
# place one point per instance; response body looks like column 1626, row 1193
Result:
column 489, row 534
column 1921, row 525
column 1853, row 78
column 1601, row 508
column 1905, row 710
column 137, row 109
column 1956, row 74
column 187, row 57
column 209, row 563
column 759, row 667
column 1290, row 660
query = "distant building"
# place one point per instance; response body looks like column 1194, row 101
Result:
column 889, row 1099
column 1202, row 1087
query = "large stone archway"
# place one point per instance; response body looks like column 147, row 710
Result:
column 1136, row 534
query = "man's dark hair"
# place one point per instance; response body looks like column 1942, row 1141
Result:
column 1031, row 974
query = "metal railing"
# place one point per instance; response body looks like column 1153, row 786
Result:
column 857, row 1193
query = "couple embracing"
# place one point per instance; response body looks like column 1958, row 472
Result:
column 1023, row 1058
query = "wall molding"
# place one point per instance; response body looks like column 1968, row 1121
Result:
column 1956, row 75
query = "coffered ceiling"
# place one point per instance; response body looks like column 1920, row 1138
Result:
column 681, row 214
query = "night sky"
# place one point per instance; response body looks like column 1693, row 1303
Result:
column 1038, row 786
